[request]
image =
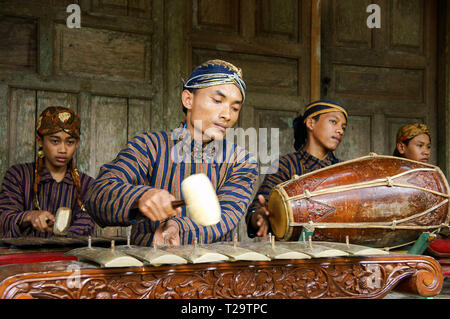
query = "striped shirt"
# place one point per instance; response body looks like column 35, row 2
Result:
column 16, row 199
column 297, row 163
column 160, row 160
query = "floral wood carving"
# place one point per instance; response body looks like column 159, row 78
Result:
column 351, row 277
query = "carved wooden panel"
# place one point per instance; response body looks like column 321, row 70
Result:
column 5, row 114
column 379, row 82
column 22, row 133
column 406, row 32
column 108, row 136
column 48, row 98
column 341, row 278
column 139, row 117
column 216, row 15
column 278, row 75
column 110, row 129
column 279, row 19
column 18, row 45
column 132, row 8
column 384, row 73
column 102, row 54
column 63, row 3
column 349, row 24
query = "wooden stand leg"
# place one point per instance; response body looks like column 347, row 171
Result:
column 426, row 282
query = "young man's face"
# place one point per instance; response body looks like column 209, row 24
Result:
column 216, row 108
column 58, row 148
column 328, row 130
column 418, row 148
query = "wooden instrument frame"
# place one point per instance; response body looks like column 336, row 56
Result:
column 345, row 278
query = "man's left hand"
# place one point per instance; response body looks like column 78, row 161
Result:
column 169, row 231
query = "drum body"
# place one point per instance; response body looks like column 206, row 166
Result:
column 378, row 201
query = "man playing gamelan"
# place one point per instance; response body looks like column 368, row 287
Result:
column 138, row 186
column 317, row 134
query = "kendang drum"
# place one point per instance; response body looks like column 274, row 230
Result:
column 378, row 201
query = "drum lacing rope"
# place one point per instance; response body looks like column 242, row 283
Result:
column 388, row 181
column 387, row 225
column 394, row 224
column 397, row 246
column 309, row 227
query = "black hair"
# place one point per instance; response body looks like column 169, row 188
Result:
column 300, row 132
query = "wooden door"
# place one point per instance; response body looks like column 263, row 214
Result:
column 109, row 70
column 385, row 76
column 270, row 41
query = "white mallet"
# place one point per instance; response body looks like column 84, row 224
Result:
column 62, row 221
column 200, row 199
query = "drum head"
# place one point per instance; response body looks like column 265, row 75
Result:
column 278, row 216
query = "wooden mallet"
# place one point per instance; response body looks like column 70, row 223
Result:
column 200, row 200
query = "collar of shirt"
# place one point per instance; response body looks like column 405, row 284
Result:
column 310, row 161
column 183, row 140
column 46, row 177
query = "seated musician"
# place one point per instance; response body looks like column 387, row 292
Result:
column 317, row 134
column 32, row 193
column 413, row 142
column 137, row 187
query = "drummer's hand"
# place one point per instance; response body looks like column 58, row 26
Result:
column 260, row 219
column 168, row 231
column 41, row 220
column 156, row 204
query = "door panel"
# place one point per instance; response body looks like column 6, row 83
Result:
column 387, row 75
column 110, row 71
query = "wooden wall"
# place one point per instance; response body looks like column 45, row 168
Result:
column 443, row 87
column 121, row 70
column 110, row 71
column 387, row 76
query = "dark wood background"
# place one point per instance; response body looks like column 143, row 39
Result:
column 121, row 70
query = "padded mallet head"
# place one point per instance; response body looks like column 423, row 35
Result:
column 201, row 200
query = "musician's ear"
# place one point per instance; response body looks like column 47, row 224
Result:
column 310, row 123
column 401, row 147
column 39, row 140
column 186, row 99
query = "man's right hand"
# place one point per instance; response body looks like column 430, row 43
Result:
column 41, row 220
column 260, row 219
column 156, row 204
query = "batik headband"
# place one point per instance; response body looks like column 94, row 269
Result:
column 410, row 131
column 323, row 106
column 215, row 72
column 56, row 118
